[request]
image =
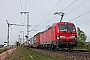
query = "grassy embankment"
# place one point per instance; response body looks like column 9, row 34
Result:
column 83, row 48
column 27, row 54
column 3, row 50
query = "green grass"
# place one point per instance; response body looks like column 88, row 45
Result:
column 38, row 56
column 86, row 48
column 3, row 50
column 81, row 49
column 25, row 54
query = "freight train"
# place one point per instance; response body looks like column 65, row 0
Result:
column 61, row 35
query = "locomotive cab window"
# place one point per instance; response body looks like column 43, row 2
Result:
column 66, row 27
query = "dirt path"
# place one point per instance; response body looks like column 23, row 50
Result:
column 5, row 54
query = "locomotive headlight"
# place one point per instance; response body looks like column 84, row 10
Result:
column 62, row 36
column 72, row 37
column 58, row 37
column 75, row 38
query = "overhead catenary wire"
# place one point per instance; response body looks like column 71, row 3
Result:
column 69, row 5
column 83, row 19
column 47, row 22
column 80, row 15
column 54, row 6
column 61, row 10
column 46, row 15
column 43, row 25
column 84, row 22
column 76, row 18
column 85, row 13
column 78, row 6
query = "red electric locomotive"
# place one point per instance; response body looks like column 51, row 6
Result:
column 61, row 35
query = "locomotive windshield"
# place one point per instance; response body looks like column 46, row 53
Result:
column 67, row 27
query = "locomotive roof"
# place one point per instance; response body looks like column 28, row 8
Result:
column 63, row 22
column 54, row 25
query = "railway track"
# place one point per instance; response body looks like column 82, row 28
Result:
column 75, row 55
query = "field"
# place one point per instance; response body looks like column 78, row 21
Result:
column 27, row 54
column 3, row 50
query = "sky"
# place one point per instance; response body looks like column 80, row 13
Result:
column 41, row 14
